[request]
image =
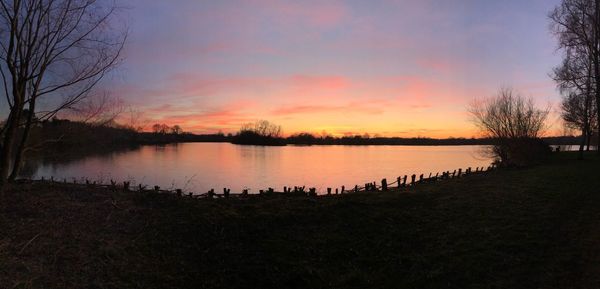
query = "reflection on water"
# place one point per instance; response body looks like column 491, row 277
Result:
column 565, row 148
column 199, row 167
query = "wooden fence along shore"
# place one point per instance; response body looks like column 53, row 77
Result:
column 383, row 186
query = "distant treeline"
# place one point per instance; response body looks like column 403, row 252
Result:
column 308, row 139
column 57, row 134
column 64, row 135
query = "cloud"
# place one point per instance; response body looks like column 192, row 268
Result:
column 325, row 109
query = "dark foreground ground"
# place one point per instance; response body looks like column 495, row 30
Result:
column 527, row 228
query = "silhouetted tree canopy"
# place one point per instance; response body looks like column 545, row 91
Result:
column 514, row 124
column 576, row 25
column 261, row 132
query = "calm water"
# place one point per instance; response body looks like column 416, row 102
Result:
column 198, row 167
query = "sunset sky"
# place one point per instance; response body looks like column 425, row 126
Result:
column 393, row 68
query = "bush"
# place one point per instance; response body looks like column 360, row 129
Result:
column 515, row 125
column 519, row 152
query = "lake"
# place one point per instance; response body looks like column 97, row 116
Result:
column 198, row 167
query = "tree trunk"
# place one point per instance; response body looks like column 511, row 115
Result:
column 582, row 144
column 590, row 133
column 596, row 58
column 21, row 148
column 7, row 146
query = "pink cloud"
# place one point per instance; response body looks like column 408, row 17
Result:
column 190, row 85
column 317, row 109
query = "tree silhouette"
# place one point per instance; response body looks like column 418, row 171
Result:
column 515, row 125
column 576, row 24
column 57, row 49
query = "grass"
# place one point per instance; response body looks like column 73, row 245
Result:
column 522, row 228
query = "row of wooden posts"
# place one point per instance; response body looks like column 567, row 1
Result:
column 401, row 182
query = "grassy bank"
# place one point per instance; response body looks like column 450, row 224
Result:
column 526, row 228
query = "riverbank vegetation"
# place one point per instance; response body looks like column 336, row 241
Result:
column 515, row 126
column 63, row 134
column 261, row 132
column 56, row 137
column 510, row 228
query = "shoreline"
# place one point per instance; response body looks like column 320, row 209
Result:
column 514, row 228
column 400, row 183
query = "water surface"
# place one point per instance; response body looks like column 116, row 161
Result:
column 198, row 167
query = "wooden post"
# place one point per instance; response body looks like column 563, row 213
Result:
column 343, row 189
column 404, row 180
column 413, row 178
column 329, row 191
column 459, row 172
column 179, row 192
column 356, row 188
column 156, row 188
column 125, row 186
column 384, row 185
column 244, row 192
column 421, row 178
column 336, row 191
column 399, row 181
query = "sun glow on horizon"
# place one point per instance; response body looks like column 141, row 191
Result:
column 395, row 69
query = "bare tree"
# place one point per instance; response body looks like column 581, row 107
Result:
column 576, row 24
column 98, row 110
column 574, row 78
column 161, row 128
column 176, row 129
column 265, row 128
column 261, row 132
column 579, row 112
column 56, row 50
column 513, row 122
column 134, row 120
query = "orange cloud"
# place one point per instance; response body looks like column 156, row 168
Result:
column 317, row 109
column 389, row 106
